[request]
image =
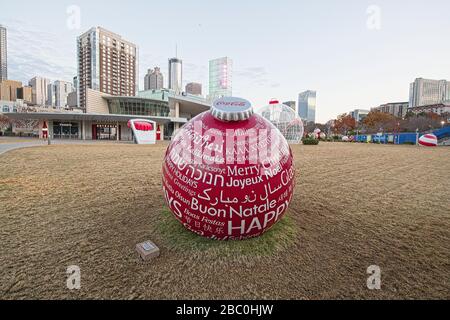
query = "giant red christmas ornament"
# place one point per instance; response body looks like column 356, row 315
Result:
column 228, row 174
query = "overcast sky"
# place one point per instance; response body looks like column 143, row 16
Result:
column 354, row 53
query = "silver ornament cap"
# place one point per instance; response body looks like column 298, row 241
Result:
column 231, row 109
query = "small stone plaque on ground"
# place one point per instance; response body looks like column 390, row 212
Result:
column 147, row 250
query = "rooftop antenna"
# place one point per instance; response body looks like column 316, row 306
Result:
column 176, row 50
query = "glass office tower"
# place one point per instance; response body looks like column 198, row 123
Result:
column 3, row 54
column 307, row 106
column 176, row 75
column 220, row 78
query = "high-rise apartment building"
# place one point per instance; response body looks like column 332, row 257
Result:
column 39, row 87
column 50, row 96
column 3, row 54
column 176, row 75
column 397, row 109
column 220, row 78
column 154, row 79
column 424, row 92
column 359, row 114
column 58, row 93
column 194, row 88
column 106, row 63
column 307, row 106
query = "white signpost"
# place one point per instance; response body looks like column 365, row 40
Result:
column 144, row 131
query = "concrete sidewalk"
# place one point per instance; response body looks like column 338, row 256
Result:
column 8, row 144
column 12, row 143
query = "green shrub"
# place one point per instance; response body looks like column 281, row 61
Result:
column 310, row 142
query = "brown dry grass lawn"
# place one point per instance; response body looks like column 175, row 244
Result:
column 355, row 206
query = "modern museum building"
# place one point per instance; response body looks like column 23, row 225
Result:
column 106, row 117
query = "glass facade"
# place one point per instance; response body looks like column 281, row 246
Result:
column 65, row 130
column 138, row 107
column 105, row 131
column 220, row 78
column 161, row 95
column 307, row 106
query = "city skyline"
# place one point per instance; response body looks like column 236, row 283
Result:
column 276, row 59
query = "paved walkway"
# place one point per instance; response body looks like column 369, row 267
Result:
column 12, row 143
column 8, row 144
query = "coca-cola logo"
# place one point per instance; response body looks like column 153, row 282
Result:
column 231, row 103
